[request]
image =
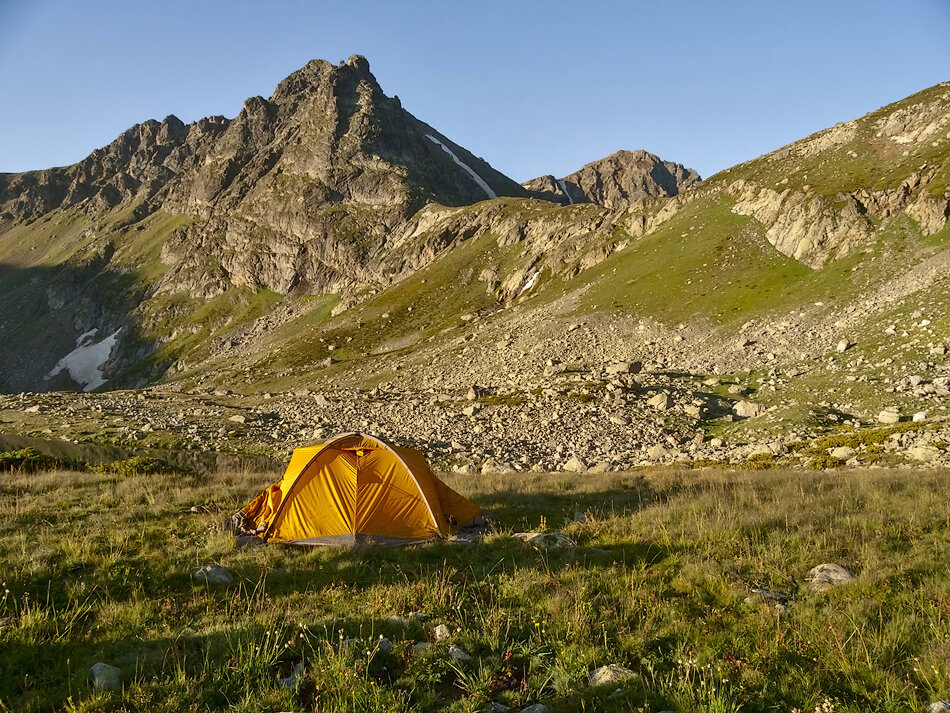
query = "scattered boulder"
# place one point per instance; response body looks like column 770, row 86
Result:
column 842, row 452
column 536, row 708
column 747, row 409
column 825, row 576
column 384, row 645
column 694, row 411
column 844, row 345
column 889, row 416
column 105, row 677
column 925, row 454
column 575, row 465
column 661, row 402
column 920, row 416
column 610, row 674
column 938, row 707
column 657, row 452
column 213, row 574
column 625, row 367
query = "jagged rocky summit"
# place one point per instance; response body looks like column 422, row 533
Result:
column 618, row 182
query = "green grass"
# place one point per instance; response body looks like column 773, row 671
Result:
column 97, row 569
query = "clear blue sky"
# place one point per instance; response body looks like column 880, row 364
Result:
column 533, row 87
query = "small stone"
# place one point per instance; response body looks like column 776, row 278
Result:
column 619, row 419
column 441, row 633
column 920, row 416
column 421, row 646
column 384, row 645
column 546, row 540
column 889, row 416
column 938, row 707
column 661, row 402
column 610, row 674
column 657, row 452
column 457, row 653
column 213, row 574
column 238, row 419
column 843, row 345
column 694, row 411
column 825, row 576
column 105, row 676
column 418, row 616
column 470, row 410
column 536, row 708
column 396, row 620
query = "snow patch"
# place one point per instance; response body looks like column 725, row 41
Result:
column 530, row 283
column 475, row 177
column 85, row 362
column 564, row 188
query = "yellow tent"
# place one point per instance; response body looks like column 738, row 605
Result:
column 356, row 489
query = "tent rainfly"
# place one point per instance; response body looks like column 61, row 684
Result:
column 354, row 490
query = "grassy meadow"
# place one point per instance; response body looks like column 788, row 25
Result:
column 96, row 568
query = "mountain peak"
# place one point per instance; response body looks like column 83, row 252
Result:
column 618, row 181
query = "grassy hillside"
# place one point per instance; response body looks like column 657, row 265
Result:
column 660, row 581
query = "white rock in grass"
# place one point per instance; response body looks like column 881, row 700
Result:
column 920, row 416
column 938, row 707
column 213, row 574
column 610, row 674
column 825, row 576
column 536, row 708
column 105, row 676
column 458, row 653
column 441, row 633
column 421, row 646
